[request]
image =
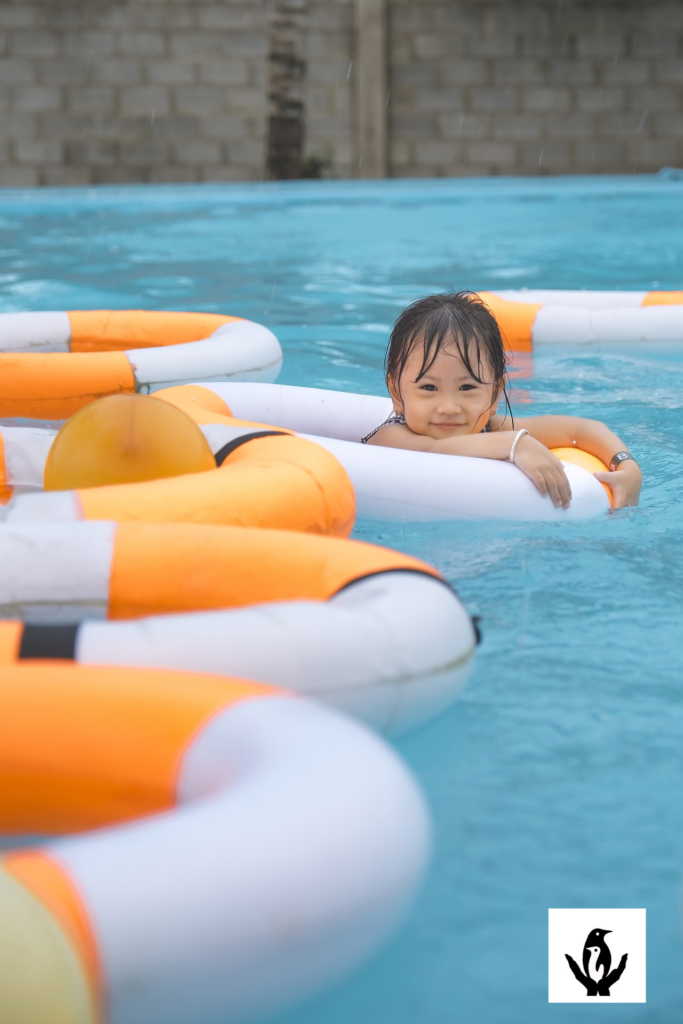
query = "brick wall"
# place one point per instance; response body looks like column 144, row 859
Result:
column 523, row 87
column 175, row 90
column 118, row 91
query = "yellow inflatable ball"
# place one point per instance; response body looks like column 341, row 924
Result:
column 123, row 439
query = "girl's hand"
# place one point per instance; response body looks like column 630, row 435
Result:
column 544, row 470
column 625, row 484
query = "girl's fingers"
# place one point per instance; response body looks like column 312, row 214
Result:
column 546, row 472
column 540, row 483
column 625, row 486
column 611, row 480
column 605, row 478
column 558, row 487
column 552, row 487
column 560, row 493
column 565, row 488
column 553, row 490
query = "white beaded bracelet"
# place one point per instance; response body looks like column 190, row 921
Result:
column 511, row 456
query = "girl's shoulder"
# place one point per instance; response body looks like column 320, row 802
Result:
column 395, row 418
column 395, row 433
column 500, row 422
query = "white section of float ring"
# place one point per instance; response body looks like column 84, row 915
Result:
column 396, row 484
column 239, row 350
column 572, row 325
column 339, row 414
column 40, row 579
column 26, row 450
column 195, row 918
column 394, row 649
column 565, row 297
column 43, row 507
column 35, row 332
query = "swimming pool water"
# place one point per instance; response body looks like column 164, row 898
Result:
column 557, row 780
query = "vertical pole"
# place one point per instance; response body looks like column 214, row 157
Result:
column 371, row 87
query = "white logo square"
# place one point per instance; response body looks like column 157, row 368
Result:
column 596, row 956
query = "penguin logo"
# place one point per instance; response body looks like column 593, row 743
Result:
column 597, row 977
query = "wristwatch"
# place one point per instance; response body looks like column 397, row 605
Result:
column 617, row 460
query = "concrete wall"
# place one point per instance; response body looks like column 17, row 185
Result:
column 176, row 90
column 131, row 90
column 524, row 87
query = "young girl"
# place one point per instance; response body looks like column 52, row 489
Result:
column 445, row 370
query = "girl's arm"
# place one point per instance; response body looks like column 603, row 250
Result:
column 592, row 436
column 568, row 432
column 533, row 458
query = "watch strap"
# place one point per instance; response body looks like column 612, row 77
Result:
column 617, row 460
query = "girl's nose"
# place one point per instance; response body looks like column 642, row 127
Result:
column 449, row 405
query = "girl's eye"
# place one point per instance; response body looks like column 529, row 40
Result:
column 468, row 387
column 428, row 387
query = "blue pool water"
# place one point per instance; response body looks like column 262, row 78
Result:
column 557, row 780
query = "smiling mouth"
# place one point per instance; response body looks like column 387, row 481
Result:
column 449, row 426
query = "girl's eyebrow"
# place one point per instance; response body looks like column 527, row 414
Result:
column 433, row 377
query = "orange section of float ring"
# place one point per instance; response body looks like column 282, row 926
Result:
column 663, row 299
column 591, row 463
column 261, row 476
column 104, row 330
column 5, row 489
column 145, row 921
column 260, row 599
column 55, row 385
column 230, row 567
column 55, row 363
column 515, row 320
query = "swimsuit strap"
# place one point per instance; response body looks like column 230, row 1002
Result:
column 394, row 418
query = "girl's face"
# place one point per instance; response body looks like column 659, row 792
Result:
column 447, row 401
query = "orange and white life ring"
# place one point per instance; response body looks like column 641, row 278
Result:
column 369, row 630
column 213, row 816
column 52, row 364
column 127, row 570
column 531, row 317
column 263, row 477
column 393, row 483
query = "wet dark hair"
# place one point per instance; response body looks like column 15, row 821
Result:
column 461, row 320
